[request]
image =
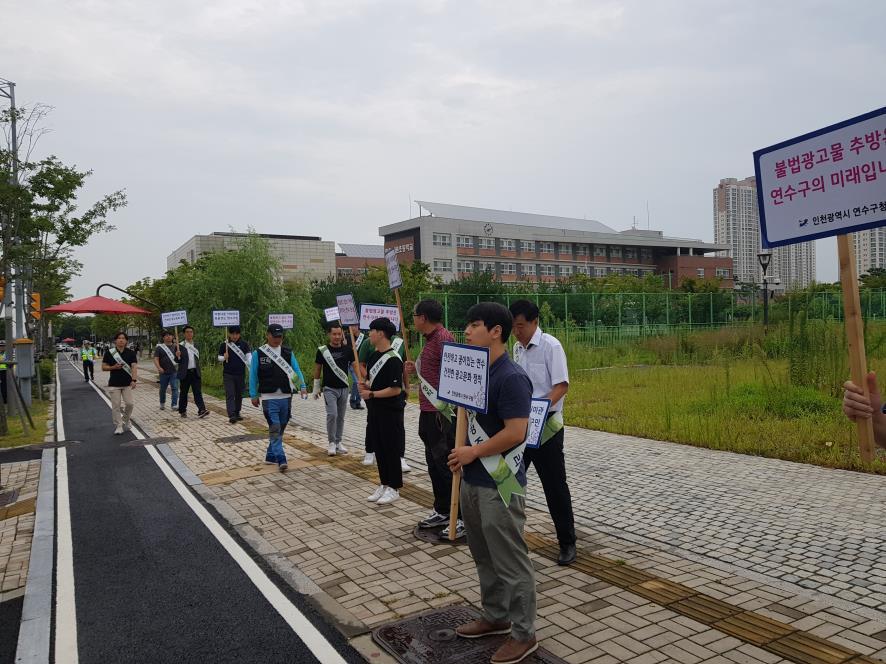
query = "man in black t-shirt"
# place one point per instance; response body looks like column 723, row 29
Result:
column 235, row 356
column 332, row 362
column 382, row 390
column 122, row 362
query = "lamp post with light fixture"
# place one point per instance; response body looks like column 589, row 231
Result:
column 765, row 257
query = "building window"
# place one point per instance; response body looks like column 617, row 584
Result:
column 645, row 253
column 442, row 265
column 465, row 266
column 486, row 242
column 546, row 248
column 547, row 270
column 487, row 267
column 723, row 272
column 465, row 241
column 507, row 245
column 599, row 271
column 615, row 252
column 527, row 270
column 565, row 270
column 527, row 245
column 565, row 249
column 700, row 272
column 344, row 270
column 442, row 240
column 600, row 250
column 509, row 268
column 630, row 253
column 581, row 250
column 582, row 269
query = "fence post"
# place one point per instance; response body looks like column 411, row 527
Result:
column 668, row 310
column 594, row 314
column 566, row 315
column 711, row 301
column 446, row 310
column 643, row 299
column 620, row 303
column 689, row 306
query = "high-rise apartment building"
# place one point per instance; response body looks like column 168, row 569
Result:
column 870, row 249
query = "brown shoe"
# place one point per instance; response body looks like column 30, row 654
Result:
column 477, row 628
column 513, row 651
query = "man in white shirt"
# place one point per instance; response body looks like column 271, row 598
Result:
column 542, row 357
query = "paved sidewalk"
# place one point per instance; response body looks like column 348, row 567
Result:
column 656, row 520
column 17, row 526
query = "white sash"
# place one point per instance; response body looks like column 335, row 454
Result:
column 192, row 349
column 502, row 469
column 396, row 343
column 280, row 362
column 430, row 393
column 168, row 352
column 373, row 372
column 239, row 353
column 337, row 370
column 119, row 360
column 359, row 342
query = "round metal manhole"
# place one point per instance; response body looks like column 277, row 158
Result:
column 432, row 536
column 442, row 635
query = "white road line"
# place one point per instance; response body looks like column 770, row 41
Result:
column 59, row 422
column 65, row 604
column 304, row 629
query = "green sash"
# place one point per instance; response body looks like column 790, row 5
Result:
column 373, row 372
column 445, row 409
column 502, row 469
column 553, row 424
column 237, row 351
column 337, row 370
column 277, row 358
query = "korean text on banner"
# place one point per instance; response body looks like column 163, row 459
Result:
column 173, row 318
column 286, row 321
column 331, row 314
column 347, row 309
column 394, row 279
column 225, row 317
column 828, row 182
column 369, row 312
column 538, row 413
column 464, row 376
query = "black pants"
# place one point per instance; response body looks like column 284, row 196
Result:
column 3, row 384
column 191, row 381
column 386, row 435
column 550, row 464
column 88, row 370
column 369, row 443
column 438, row 435
column 234, row 384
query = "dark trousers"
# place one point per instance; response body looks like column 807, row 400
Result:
column 438, row 435
column 191, row 381
column 88, row 370
column 234, row 384
column 369, row 443
column 3, row 384
column 550, row 464
column 386, row 435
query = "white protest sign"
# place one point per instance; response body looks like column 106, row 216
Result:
column 394, row 279
column 225, row 317
column 286, row 321
column 347, row 309
column 828, row 182
column 174, row 318
column 369, row 312
column 331, row 314
column 464, row 376
column 538, row 413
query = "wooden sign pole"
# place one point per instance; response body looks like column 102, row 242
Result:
column 403, row 331
column 357, row 369
column 855, row 336
column 461, row 434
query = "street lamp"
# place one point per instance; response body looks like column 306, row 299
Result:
column 765, row 257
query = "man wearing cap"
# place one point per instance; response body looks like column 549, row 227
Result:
column 87, row 354
column 273, row 374
column 235, row 356
column 167, row 369
column 331, row 366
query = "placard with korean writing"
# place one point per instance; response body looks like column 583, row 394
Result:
column 286, row 321
column 828, row 182
column 538, row 413
column 331, row 314
column 225, row 317
column 369, row 312
column 174, row 318
column 464, row 376
column 347, row 309
column 394, row 278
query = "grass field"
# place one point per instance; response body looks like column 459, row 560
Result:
column 40, row 414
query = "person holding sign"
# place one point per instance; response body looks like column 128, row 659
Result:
column 542, row 357
column 382, row 390
column 87, row 354
column 122, row 362
column 357, row 336
column 332, row 362
column 167, row 369
column 235, row 355
column 856, row 406
column 273, row 374
column 436, row 425
column 189, row 374
column 493, row 505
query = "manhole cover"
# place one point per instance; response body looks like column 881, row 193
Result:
column 8, row 497
column 430, row 639
column 432, row 536
column 242, row 438
column 149, row 441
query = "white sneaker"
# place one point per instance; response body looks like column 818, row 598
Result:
column 389, row 497
column 162, row 406
column 369, row 459
column 404, row 466
column 331, row 450
column 118, row 430
column 377, row 494
column 127, row 427
column 341, row 449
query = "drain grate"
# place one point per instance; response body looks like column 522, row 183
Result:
column 242, row 438
column 432, row 536
column 149, row 441
column 430, row 638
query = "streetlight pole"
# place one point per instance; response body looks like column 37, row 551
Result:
column 7, row 89
column 765, row 257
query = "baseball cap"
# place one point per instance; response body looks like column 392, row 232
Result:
column 233, row 328
column 275, row 330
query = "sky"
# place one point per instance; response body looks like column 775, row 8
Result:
column 327, row 117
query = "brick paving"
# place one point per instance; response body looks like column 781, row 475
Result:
column 17, row 526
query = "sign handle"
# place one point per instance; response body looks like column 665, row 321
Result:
column 461, row 433
column 855, row 337
column 403, row 331
column 176, row 337
column 357, row 369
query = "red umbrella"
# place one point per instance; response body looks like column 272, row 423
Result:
column 69, row 340
column 95, row 304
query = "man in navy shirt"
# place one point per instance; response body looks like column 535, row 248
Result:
column 235, row 356
column 494, row 511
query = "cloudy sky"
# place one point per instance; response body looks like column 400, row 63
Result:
column 324, row 117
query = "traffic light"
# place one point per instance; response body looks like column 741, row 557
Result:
column 36, row 312
column 2, row 288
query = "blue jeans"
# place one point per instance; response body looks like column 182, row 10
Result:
column 167, row 379
column 277, row 412
column 355, row 389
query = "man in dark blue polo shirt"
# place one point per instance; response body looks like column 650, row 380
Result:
column 494, row 510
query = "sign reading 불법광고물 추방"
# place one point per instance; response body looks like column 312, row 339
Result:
column 286, row 321
column 347, row 309
column 464, row 376
column 170, row 319
column 394, row 278
column 829, row 182
column 225, row 317
column 369, row 312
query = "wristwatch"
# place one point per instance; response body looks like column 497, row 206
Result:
column 372, row 395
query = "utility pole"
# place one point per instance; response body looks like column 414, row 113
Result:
column 7, row 89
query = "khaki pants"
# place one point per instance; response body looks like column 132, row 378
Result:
column 118, row 394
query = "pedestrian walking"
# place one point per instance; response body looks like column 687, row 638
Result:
column 123, row 365
column 3, row 370
column 542, row 357
column 87, row 355
column 235, row 355
column 331, row 381
column 189, row 374
column 357, row 335
column 494, row 507
column 382, row 390
column 273, row 375
column 167, row 368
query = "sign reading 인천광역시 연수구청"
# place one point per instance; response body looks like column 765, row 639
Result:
column 369, row 312
column 331, row 314
column 286, row 321
column 174, row 318
column 225, row 317
column 394, row 278
column 464, row 376
column 347, row 309
column 828, row 182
